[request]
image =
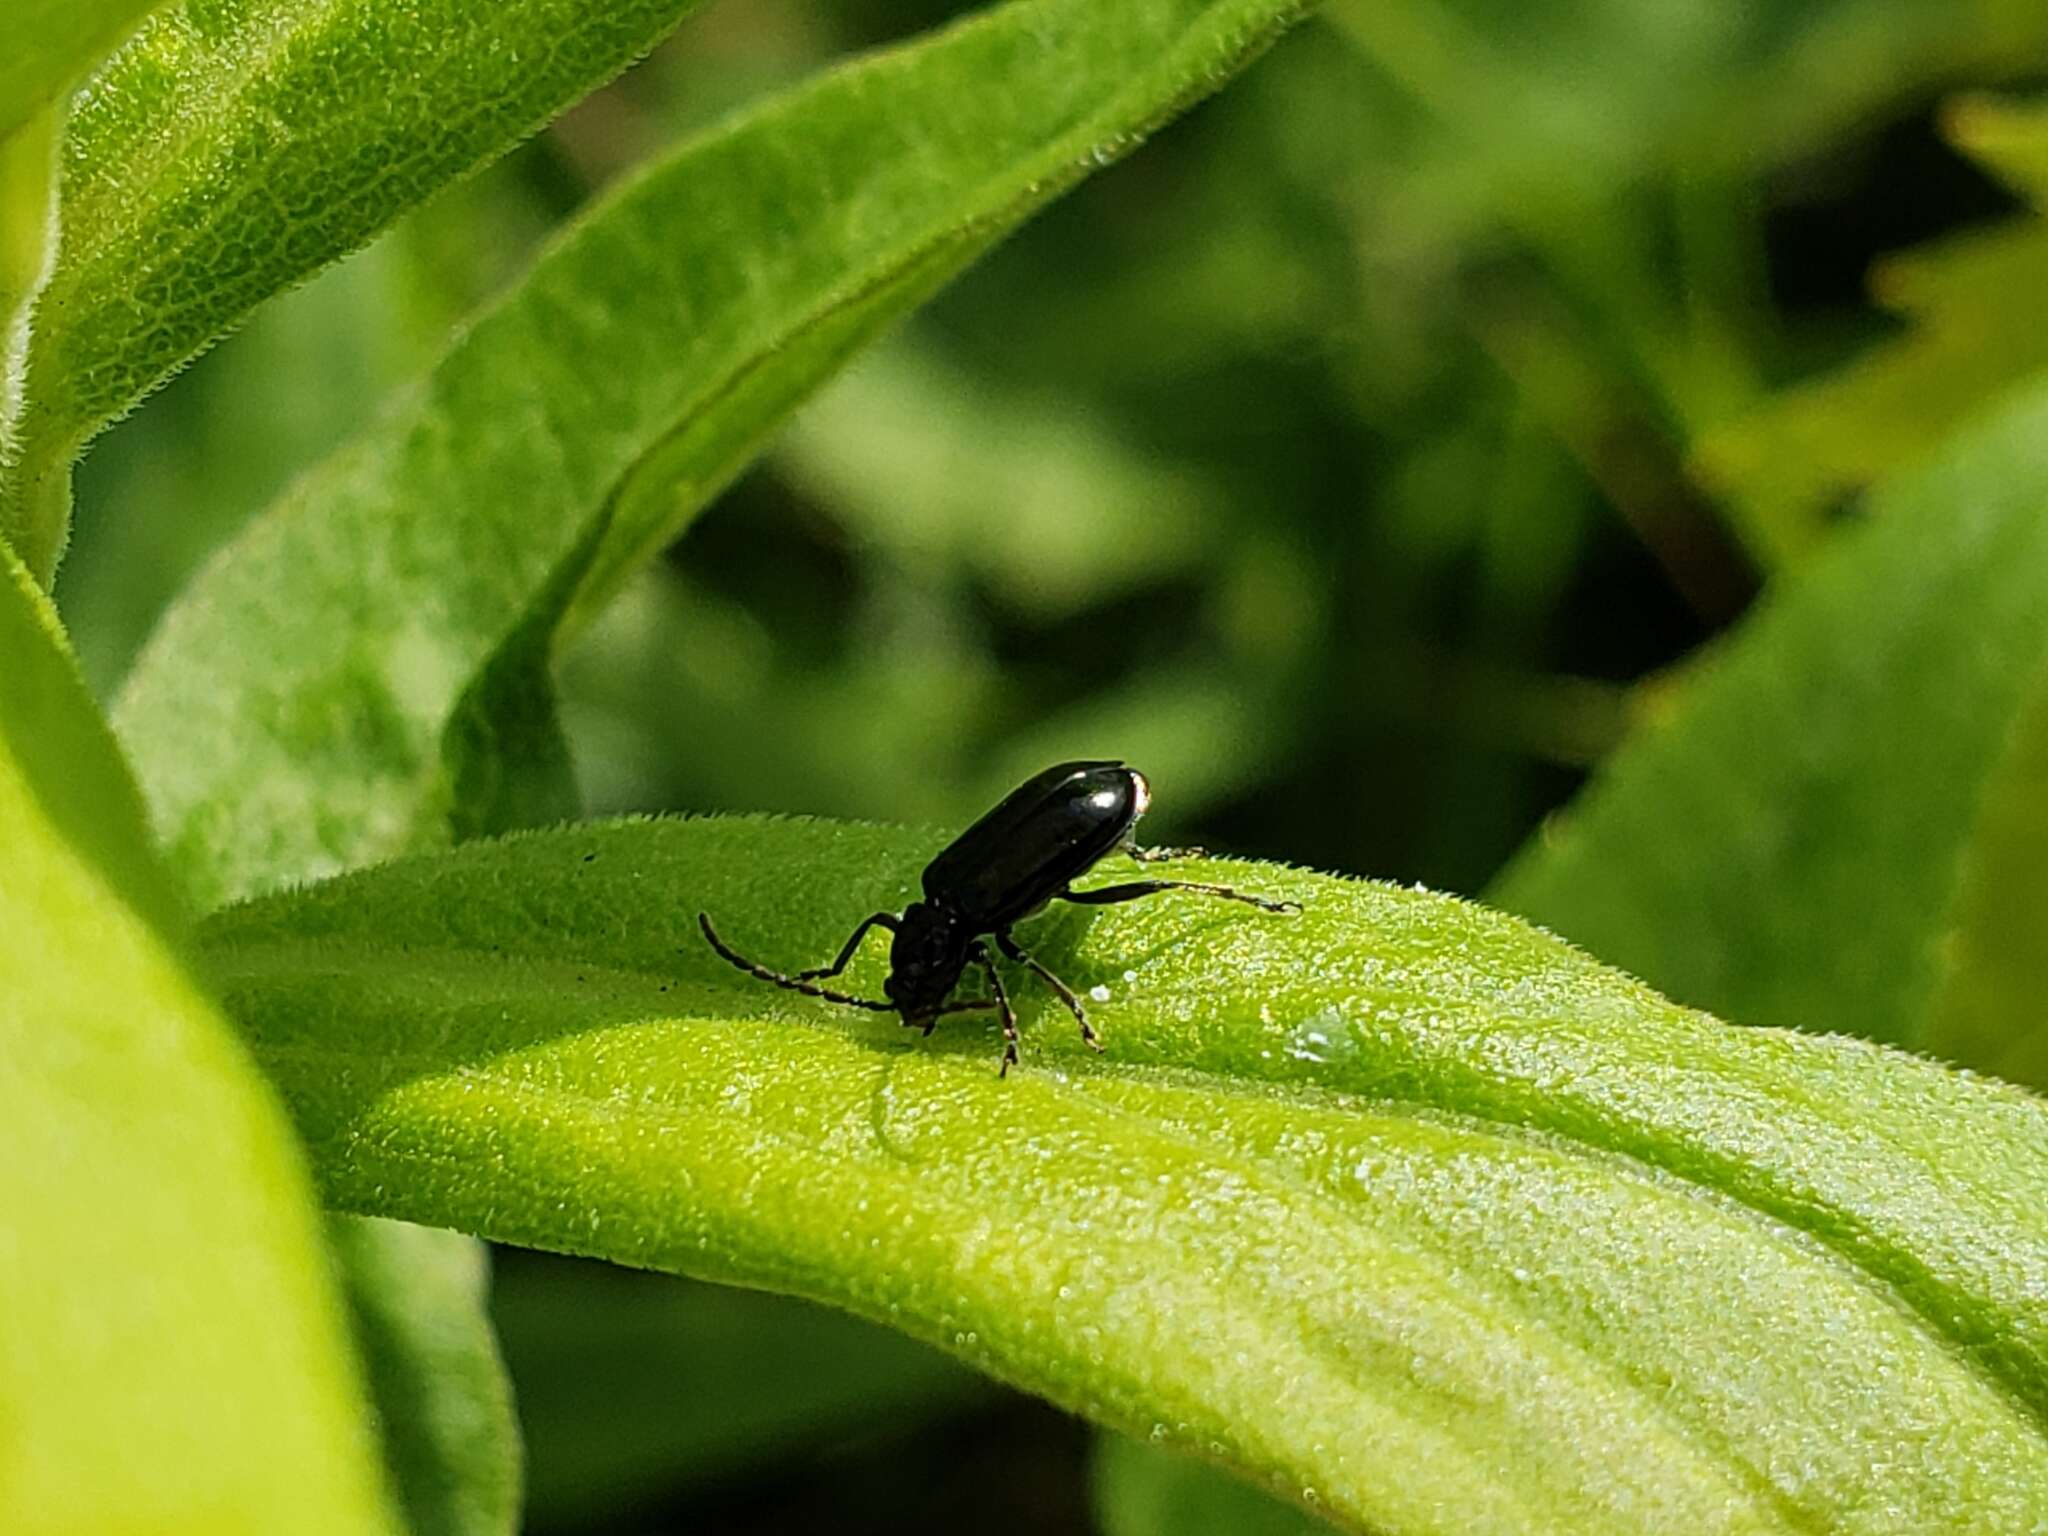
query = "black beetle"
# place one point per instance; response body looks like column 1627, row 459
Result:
column 1049, row 830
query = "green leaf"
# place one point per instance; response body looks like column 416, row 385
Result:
column 433, row 1374
column 418, row 1301
column 1975, row 308
column 372, row 653
column 1601, row 140
column 1790, row 842
column 50, row 43
column 632, row 1386
column 1408, row 1209
column 233, row 148
column 174, row 1357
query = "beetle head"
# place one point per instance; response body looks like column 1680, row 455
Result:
column 925, row 962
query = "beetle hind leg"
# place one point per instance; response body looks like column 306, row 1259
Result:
column 1109, row 895
column 1065, row 993
column 1162, row 855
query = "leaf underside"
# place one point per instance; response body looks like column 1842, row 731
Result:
column 442, row 1398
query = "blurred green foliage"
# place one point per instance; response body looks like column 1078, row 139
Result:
column 1364, row 459
column 1346, row 430
column 1844, row 752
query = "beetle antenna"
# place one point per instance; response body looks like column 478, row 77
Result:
column 809, row 989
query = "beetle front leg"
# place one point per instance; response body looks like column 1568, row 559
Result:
column 1016, row 952
column 1002, row 1006
column 1108, row 895
column 886, row 920
column 1002, row 999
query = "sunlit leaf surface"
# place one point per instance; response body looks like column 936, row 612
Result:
column 1411, row 1210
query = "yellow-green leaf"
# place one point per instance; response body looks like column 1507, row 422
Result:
column 28, row 238
column 417, row 1298
column 173, row 1357
column 50, row 43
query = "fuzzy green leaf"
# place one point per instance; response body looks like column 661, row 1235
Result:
column 1412, row 1211
column 230, row 149
column 1797, row 840
column 173, row 1357
column 373, row 652
column 50, row 43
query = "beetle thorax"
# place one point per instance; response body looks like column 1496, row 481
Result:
column 926, row 959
